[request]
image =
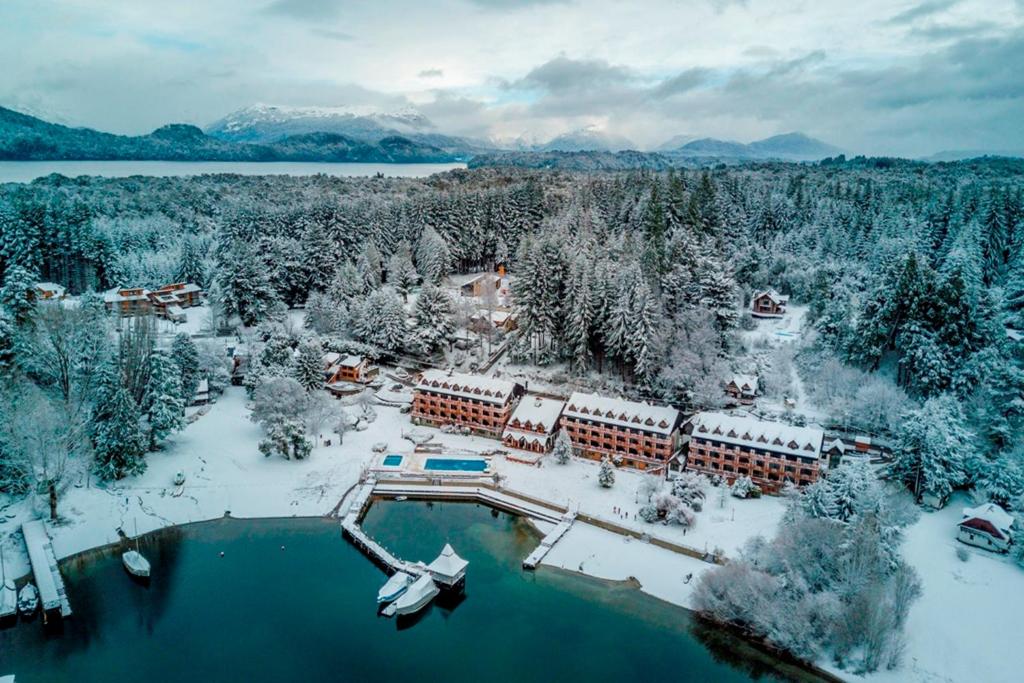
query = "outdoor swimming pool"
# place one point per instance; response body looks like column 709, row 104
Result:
column 392, row 460
column 451, row 464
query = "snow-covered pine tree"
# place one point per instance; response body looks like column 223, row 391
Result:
column 434, row 319
column 401, row 274
column 433, row 258
column 119, row 442
column 245, row 285
column 645, row 335
column 929, row 445
column 606, row 475
column 165, row 400
column 186, row 356
column 562, row 450
column 381, row 321
column 18, row 294
column 190, row 264
column 309, row 365
column 579, row 317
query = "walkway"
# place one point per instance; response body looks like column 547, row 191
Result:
column 45, row 570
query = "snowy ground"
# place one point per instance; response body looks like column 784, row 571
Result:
column 966, row 624
column 962, row 629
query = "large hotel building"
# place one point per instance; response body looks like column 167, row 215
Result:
column 642, row 435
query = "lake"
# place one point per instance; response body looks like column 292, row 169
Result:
column 27, row 171
column 291, row 600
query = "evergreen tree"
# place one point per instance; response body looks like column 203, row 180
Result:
column 190, row 264
column 186, row 357
column 18, row 294
column 245, row 286
column 119, row 442
column 562, row 449
column 606, row 475
column 309, row 365
column 401, row 273
column 929, row 448
column 165, row 401
column 434, row 319
column 433, row 258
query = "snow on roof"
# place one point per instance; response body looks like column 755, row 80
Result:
column 836, row 444
column 991, row 513
column 773, row 295
column 203, row 387
column 351, row 361
column 58, row 290
column 1015, row 335
column 622, row 413
column 331, row 357
column 748, row 431
column 534, row 410
column 742, row 381
column 448, row 564
column 122, row 294
column 467, row 386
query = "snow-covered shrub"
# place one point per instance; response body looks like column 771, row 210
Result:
column 673, row 510
column 562, row 450
column 690, row 487
column 744, row 487
column 606, row 475
column 649, row 514
column 962, row 554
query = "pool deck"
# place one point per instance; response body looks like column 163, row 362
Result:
column 414, row 464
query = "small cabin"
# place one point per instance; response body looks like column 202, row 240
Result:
column 128, row 301
column 986, row 526
column 768, row 304
column 742, row 388
column 48, row 291
column 481, row 283
column 351, row 369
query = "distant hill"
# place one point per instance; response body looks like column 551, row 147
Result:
column 588, row 139
column 786, row 147
column 575, row 161
column 263, row 123
column 962, row 154
column 24, row 137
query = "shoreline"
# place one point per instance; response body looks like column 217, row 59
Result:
column 775, row 657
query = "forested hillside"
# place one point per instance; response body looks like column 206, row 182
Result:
column 913, row 275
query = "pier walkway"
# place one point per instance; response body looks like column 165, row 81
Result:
column 48, row 580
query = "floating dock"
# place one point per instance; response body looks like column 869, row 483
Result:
column 49, row 582
column 555, row 535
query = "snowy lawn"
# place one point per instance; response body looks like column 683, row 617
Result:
column 726, row 527
column 224, row 472
column 966, row 624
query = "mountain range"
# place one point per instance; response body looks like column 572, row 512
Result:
column 276, row 133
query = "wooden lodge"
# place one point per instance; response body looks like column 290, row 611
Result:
column 770, row 453
column 48, row 291
column 349, row 368
column 638, row 435
column 167, row 301
column 480, row 284
column 481, row 404
column 533, row 425
column 987, row 526
column 742, row 388
column 768, row 304
column 129, row 301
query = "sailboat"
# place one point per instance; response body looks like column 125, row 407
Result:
column 133, row 561
column 8, row 594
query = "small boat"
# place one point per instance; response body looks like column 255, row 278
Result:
column 415, row 598
column 133, row 561
column 179, row 478
column 28, row 600
column 395, row 587
column 401, row 498
column 136, row 564
column 7, row 679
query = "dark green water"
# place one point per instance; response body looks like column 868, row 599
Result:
column 307, row 613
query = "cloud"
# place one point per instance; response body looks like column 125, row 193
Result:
column 563, row 74
column 515, row 4
column 431, row 73
column 928, row 8
column 307, row 10
column 331, row 34
column 682, row 82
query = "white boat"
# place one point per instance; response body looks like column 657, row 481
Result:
column 7, row 679
column 179, row 478
column 28, row 600
column 136, row 564
column 421, row 592
column 395, row 587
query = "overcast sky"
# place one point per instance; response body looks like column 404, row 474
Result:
column 907, row 77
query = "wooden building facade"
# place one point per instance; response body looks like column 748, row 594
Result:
column 481, row 404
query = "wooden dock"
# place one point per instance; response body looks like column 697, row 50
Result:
column 50, row 584
column 555, row 535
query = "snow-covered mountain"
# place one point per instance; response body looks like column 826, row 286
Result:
column 786, row 147
column 589, row 139
column 270, row 123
